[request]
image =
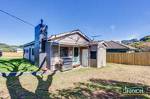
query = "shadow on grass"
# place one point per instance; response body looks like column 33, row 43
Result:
column 100, row 89
column 93, row 89
column 16, row 91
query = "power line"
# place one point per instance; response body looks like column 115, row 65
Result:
column 95, row 36
column 17, row 18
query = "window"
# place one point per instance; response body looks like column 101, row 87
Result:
column 76, row 52
column 32, row 51
column 55, row 51
column 93, row 54
column 64, row 51
column 26, row 50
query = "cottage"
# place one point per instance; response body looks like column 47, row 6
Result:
column 74, row 48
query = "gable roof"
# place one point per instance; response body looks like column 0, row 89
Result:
column 100, row 43
column 57, row 36
column 117, row 45
column 29, row 44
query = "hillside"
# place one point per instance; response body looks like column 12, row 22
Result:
column 8, row 48
column 145, row 39
column 142, row 44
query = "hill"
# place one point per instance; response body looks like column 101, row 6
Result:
column 142, row 44
column 129, row 41
column 8, row 48
column 145, row 39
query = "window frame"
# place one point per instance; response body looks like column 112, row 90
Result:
column 93, row 54
column 64, row 51
column 32, row 51
column 76, row 52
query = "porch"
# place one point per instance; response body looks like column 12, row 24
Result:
column 72, row 55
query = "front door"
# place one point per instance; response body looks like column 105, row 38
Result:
column 85, row 57
column 76, row 55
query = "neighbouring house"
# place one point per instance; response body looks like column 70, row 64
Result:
column 112, row 46
column 74, row 48
column 19, row 50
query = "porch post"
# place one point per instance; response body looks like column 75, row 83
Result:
column 59, row 50
column 40, row 45
column 89, row 63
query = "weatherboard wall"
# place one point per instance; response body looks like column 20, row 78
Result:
column 28, row 53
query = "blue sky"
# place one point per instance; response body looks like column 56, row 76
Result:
column 112, row 19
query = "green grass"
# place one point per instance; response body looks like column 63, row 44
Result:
column 16, row 65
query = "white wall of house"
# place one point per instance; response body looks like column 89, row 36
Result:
column 54, row 54
column 98, row 55
column 26, row 53
column 101, row 55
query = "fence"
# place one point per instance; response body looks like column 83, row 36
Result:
column 141, row 58
column 12, row 54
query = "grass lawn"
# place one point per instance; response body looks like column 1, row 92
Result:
column 15, row 65
column 80, row 83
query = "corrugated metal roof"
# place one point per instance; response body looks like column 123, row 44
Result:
column 28, row 44
column 117, row 45
column 52, row 37
column 95, row 42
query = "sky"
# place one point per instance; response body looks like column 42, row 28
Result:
column 110, row 19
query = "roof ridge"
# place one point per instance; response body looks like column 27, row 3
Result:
column 70, row 32
column 65, row 32
column 127, row 46
column 120, row 44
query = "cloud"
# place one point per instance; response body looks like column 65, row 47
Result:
column 133, row 35
column 112, row 27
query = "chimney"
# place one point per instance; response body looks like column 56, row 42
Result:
column 40, row 44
